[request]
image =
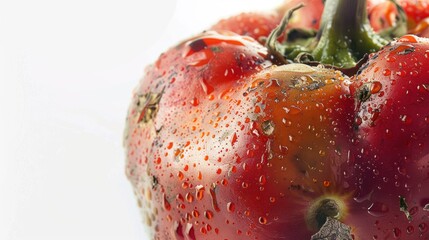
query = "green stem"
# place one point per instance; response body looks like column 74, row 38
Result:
column 345, row 35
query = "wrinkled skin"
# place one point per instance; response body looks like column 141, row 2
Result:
column 239, row 155
column 393, row 136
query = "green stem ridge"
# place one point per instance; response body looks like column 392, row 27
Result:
column 343, row 39
column 345, row 35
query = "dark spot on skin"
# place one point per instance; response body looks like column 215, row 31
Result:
column 157, row 143
column 315, row 85
column 159, row 130
column 249, row 89
column 314, row 22
column 198, row 45
column 364, row 93
column 148, row 105
column 268, row 127
column 403, row 207
column 216, row 49
column 155, row 182
column 295, row 187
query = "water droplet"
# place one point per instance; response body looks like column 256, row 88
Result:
column 423, row 227
column 208, row 214
column 167, row 205
column 195, row 213
column 386, row 72
column 390, row 59
column 405, row 119
column 189, row 197
column 293, row 110
column 396, row 232
column 234, row 139
column 189, row 231
column 208, row 227
column 230, row 207
column 214, row 200
column 378, row 209
column 195, row 102
column 414, row 210
column 199, row 192
column 358, row 121
column 180, row 175
column 326, row 183
column 178, row 231
column 242, row 57
column 262, row 180
column 401, row 73
column 262, row 220
column 185, row 185
column 408, row 39
column 180, row 197
column 376, row 87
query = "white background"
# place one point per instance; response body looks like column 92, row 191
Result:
column 67, row 69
